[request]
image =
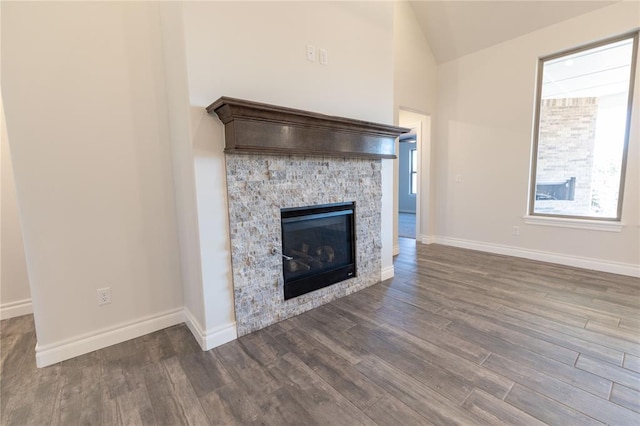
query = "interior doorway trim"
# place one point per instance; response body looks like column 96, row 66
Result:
column 421, row 123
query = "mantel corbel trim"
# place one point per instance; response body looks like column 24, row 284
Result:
column 257, row 128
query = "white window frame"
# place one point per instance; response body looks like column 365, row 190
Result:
column 571, row 221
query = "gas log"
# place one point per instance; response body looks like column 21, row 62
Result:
column 303, row 260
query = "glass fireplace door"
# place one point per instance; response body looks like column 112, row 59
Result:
column 318, row 247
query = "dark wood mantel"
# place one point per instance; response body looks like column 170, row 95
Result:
column 257, row 128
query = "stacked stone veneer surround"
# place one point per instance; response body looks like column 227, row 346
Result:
column 258, row 187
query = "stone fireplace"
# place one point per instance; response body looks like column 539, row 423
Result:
column 279, row 159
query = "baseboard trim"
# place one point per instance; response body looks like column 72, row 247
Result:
column 387, row 273
column 16, row 309
column 212, row 338
column 53, row 353
column 396, row 250
column 425, row 239
column 544, row 256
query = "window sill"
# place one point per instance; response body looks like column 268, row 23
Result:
column 562, row 222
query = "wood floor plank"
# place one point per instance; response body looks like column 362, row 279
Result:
column 181, row 393
column 585, row 402
column 182, row 340
column 416, row 395
column 135, row 408
column 546, row 409
column 629, row 398
column 631, row 363
column 551, row 314
column 282, row 408
column 582, row 333
column 430, row 332
column 412, row 295
column 633, row 323
column 465, row 370
column 576, row 311
column 503, row 332
column 450, row 385
column 161, row 395
column 245, row 371
column 616, row 374
column 409, row 317
column 17, row 395
column 93, row 398
column 584, row 380
column 158, row 345
column 262, row 347
column 113, row 379
column 204, row 371
column 496, row 411
column 68, row 406
column 443, row 340
column 16, row 358
column 388, row 411
column 576, row 344
column 229, row 405
column 341, row 347
column 324, row 403
column 619, row 332
column 327, row 320
column 623, row 309
column 45, row 392
column 337, row 372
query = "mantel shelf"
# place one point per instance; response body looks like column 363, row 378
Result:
column 257, row 128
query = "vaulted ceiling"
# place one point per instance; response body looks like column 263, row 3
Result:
column 457, row 28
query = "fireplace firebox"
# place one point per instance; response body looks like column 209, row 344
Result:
column 318, row 247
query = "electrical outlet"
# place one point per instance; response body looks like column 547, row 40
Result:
column 104, row 296
column 515, row 231
column 311, row 53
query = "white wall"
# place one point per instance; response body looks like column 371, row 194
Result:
column 484, row 128
column 86, row 112
column 182, row 154
column 15, row 297
column 257, row 51
column 414, row 90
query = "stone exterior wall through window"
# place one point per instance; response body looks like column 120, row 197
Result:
column 565, row 150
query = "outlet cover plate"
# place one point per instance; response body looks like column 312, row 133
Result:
column 104, row 296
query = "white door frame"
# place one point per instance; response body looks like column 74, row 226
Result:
column 422, row 125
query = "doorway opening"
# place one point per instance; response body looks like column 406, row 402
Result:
column 413, row 194
column 407, row 184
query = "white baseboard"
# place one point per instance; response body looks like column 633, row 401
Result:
column 396, row 250
column 212, row 338
column 387, row 273
column 544, row 256
column 80, row 345
column 425, row 239
column 15, row 309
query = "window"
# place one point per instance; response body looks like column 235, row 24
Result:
column 413, row 172
column 582, row 121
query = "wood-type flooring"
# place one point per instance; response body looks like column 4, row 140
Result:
column 457, row 337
